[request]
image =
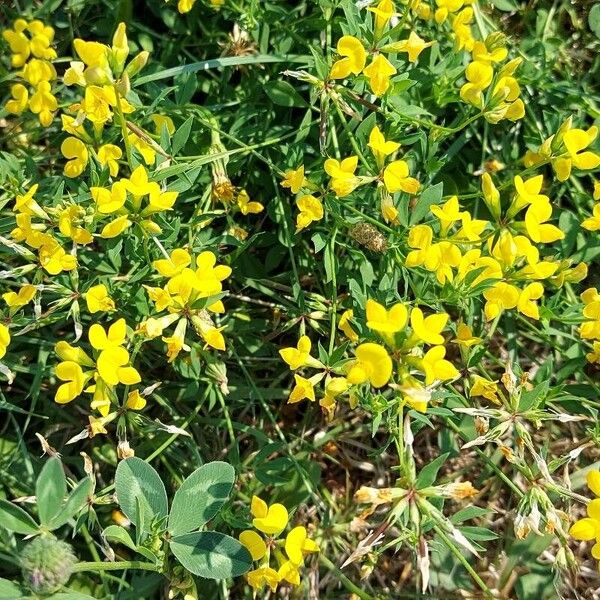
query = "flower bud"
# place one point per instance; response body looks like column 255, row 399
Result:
column 47, row 564
column 120, row 48
column 137, row 63
column 491, row 195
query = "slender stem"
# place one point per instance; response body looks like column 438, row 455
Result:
column 120, row 565
column 123, row 128
column 351, row 587
column 463, row 561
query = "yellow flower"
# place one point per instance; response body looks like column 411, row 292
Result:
column 76, row 151
column 144, row 148
column 184, row 6
column 53, row 257
column 479, row 76
column 299, row 356
column 593, row 482
column 120, row 48
column 75, row 380
column 526, row 304
column 163, row 121
column 43, row 103
column 447, row 213
column 344, row 325
column 436, row 366
column 464, row 336
column 178, row 261
column 97, row 299
column 109, row 201
column 383, row 11
column 246, row 206
column 379, row 72
column 588, row 528
column 116, row 227
column 294, row 179
column 428, row 329
column 372, row 364
column 354, row 58
column 484, row 388
column 68, row 219
column 341, row 169
column 384, row 321
column 108, row 155
column 416, row 396
column 575, row 141
column 420, row 238
column 592, row 223
column 535, row 222
column 502, row 296
column 253, row 543
column 135, row 401
column 4, row 339
column 176, row 342
column 333, row 388
column 491, row 195
column 396, row 178
column 262, row 576
column 380, row 146
column 311, row 209
column 271, row 520
column 23, row 297
column 38, row 71
column 413, row 46
column 20, row 97
column 297, row 544
column 302, row 390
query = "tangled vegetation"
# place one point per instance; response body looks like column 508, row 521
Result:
column 299, row 299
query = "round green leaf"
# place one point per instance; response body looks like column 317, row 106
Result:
column 200, row 497
column 140, row 492
column 594, row 19
column 50, row 490
column 211, row 555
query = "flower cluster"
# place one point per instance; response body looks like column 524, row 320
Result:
column 406, row 339
column 31, row 47
column 190, row 295
column 271, row 520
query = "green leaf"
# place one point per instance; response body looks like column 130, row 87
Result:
column 594, row 19
column 211, row 555
column 75, row 502
column 429, row 472
column 14, row 518
column 116, row 533
column 227, row 61
column 181, row 136
column 200, row 497
column 140, row 492
column 50, row 490
column 283, row 93
column 505, row 5
column 9, row 590
column 432, row 195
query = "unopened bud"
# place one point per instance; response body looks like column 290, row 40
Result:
column 47, row 564
column 137, row 63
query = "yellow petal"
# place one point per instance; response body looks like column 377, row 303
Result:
column 253, row 543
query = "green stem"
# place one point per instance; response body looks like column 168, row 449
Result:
column 124, row 132
column 120, row 565
column 351, row 587
column 463, row 561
